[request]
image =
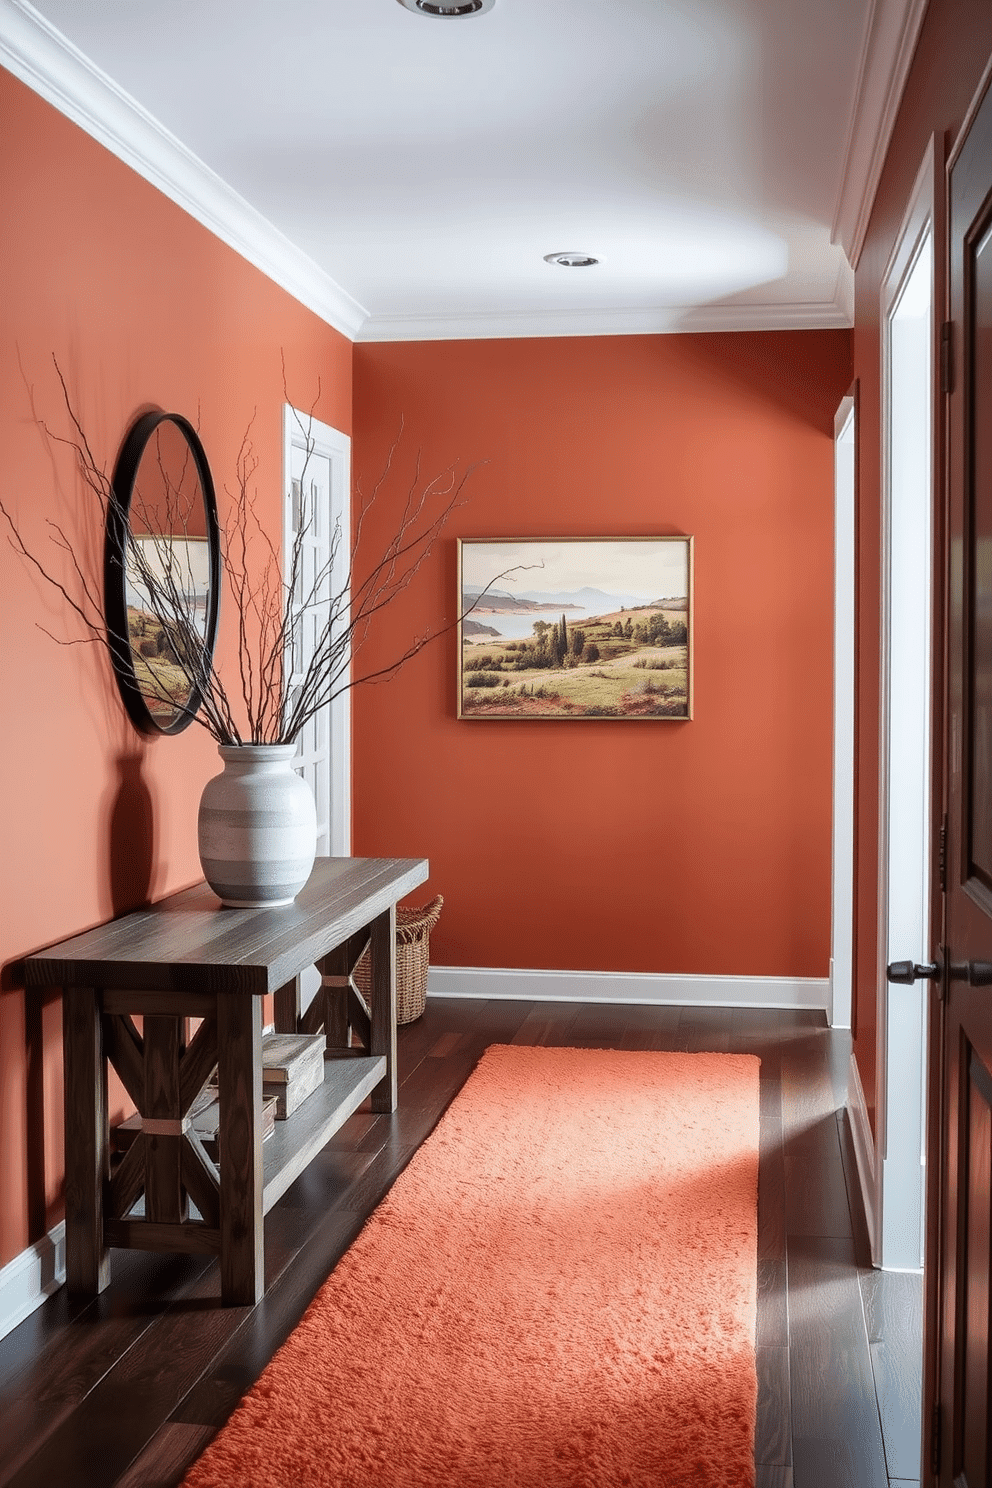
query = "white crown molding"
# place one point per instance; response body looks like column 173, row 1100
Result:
column 891, row 34
column 44, row 59
column 822, row 315
column 844, row 293
column 662, row 989
column 811, row 315
column 48, row 63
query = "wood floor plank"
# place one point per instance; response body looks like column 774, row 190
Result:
column 833, row 1462
column 837, row 1437
column 899, row 1388
column 173, row 1448
column 40, row 1333
column 448, row 1044
column 76, row 1355
column 122, row 1392
column 650, row 1027
column 706, row 1030
column 215, row 1394
column 240, row 1363
column 808, row 1097
column 816, row 1184
column 758, row 1031
column 330, row 1178
column 893, row 1302
column 455, row 1012
column 773, row 1304
column 797, row 1022
column 499, row 1021
column 598, row 1026
column 364, row 1123
column 771, row 1174
column 547, row 1023
column 96, row 1445
column 773, row 1438
column 774, row 1477
column 365, row 1195
column 651, row 1017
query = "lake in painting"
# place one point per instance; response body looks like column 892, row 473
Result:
column 576, row 628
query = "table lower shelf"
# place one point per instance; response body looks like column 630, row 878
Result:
column 298, row 1139
column 285, row 1155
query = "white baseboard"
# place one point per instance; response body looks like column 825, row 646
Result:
column 629, row 986
column 864, row 1152
column 30, row 1277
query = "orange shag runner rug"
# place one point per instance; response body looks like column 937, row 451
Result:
column 559, row 1291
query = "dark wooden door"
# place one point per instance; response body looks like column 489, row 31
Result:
column 964, row 1216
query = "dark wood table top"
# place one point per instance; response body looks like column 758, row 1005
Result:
column 190, row 942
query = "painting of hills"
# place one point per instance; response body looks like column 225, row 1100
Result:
column 586, row 628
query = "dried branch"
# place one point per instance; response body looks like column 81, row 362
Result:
column 272, row 611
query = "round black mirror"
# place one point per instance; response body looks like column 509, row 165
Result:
column 162, row 572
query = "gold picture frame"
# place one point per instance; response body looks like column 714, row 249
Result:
column 578, row 628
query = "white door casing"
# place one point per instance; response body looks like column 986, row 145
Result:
column 908, row 383
column 325, row 745
column 842, row 857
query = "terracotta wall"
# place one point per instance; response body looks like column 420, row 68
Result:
column 142, row 308
column 691, row 847
column 699, row 847
column 952, row 54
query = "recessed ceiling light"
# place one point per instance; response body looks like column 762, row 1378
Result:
column 571, row 260
column 452, row 11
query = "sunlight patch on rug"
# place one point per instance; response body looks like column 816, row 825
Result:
column 559, row 1291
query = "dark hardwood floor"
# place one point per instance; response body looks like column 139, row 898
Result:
column 124, row 1391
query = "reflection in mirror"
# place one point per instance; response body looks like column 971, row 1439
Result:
column 162, row 572
column 166, row 551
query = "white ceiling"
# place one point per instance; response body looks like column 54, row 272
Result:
column 701, row 149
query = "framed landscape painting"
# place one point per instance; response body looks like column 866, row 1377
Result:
column 575, row 628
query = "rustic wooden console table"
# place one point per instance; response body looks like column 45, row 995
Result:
column 186, row 958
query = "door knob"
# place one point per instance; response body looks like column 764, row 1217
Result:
column 975, row 973
column 908, row 972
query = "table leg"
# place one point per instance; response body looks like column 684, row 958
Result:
column 239, row 1070
column 382, row 955
column 87, row 1141
column 335, row 969
column 164, row 1046
column 286, row 1010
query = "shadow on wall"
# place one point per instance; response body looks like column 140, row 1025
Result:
column 130, row 846
column 131, row 834
column 774, row 367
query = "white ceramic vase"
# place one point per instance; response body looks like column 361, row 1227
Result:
column 257, row 827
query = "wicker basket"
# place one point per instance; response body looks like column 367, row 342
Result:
column 413, row 930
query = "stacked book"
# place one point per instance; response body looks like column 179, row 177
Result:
column 205, row 1114
column 204, row 1117
column 292, row 1069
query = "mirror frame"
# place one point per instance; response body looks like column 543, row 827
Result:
column 114, row 590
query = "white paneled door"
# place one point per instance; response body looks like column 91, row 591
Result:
column 842, row 898
column 317, row 461
column 907, row 856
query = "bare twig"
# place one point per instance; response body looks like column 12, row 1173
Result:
column 272, row 610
